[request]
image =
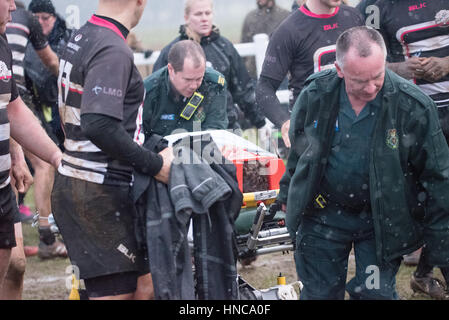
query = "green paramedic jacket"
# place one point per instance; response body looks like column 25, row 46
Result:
column 408, row 171
column 161, row 113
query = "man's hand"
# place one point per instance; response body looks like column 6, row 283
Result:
column 284, row 131
column 409, row 69
column 21, row 177
column 434, row 68
column 167, row 158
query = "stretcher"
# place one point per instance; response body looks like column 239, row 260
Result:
column 260, row 227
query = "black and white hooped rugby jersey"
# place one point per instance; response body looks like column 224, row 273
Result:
column 304, row 43
column 97, row 75
column 8, row 93
column 409, row 29
column 23, row 28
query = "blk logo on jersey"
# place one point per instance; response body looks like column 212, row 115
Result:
column 328, row 27
column 417, row 6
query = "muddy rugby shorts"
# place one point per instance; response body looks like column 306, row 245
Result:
column 97, row 225
column 9, row 213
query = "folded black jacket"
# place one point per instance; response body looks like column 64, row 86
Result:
column 202, row 191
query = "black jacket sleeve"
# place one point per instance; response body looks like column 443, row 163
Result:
column 269, row 102
column 242, row 88
column 110, row 136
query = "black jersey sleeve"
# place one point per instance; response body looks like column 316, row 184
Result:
column 268, row 101
column 106, row 82
column 37, row 37
column 242, row 88
column 111, row 137
column 279, row 55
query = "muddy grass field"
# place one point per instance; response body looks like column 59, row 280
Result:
column 48, row 280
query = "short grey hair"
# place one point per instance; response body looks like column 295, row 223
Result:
column 360, row 38
column 183, row 49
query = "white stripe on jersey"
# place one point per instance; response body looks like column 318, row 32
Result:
column 424, row 45
column 98, row 166
column 16, row 55
column 428, row 44
column 17, row 39
column 139, row 136
column 18, row 71
column 5, row 162
column 70, row 115
column 4, row 132
column 72, row 86
column 435, row 88
column 4, row 184
column 4, row 100
column 317, row 58
column 18, row 26
column 80, row 146
column 80, row 174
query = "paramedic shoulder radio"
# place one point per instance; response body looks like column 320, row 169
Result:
column 192, row 105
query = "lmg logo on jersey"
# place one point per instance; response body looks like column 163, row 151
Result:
column 108, row 91
column 5, row 73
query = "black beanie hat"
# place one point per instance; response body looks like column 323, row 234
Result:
column 42, row 6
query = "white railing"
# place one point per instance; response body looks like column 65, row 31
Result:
column 256, row 48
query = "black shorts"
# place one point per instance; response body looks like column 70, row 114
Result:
column 97, row 224
column 8, row 216
column 17, row 217
column 112, row 284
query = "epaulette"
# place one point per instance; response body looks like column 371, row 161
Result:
column 214, row 76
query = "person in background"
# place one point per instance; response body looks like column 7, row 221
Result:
column 41, row 83
column 101, row 104
column 185, row 95
column 418, row 50
column 16, row 122
column 222, row 56
column 22, row 29
column 366, row 147
column 265, row 19
column 304, row 43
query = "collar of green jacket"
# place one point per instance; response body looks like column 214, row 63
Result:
column 214, row 35
column 327, row 81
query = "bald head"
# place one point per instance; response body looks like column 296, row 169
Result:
column 359, row 40
column 182, row 50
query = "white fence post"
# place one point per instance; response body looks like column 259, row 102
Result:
column 260, row 47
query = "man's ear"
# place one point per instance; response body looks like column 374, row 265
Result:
column 339, row 70
column 171, row 70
